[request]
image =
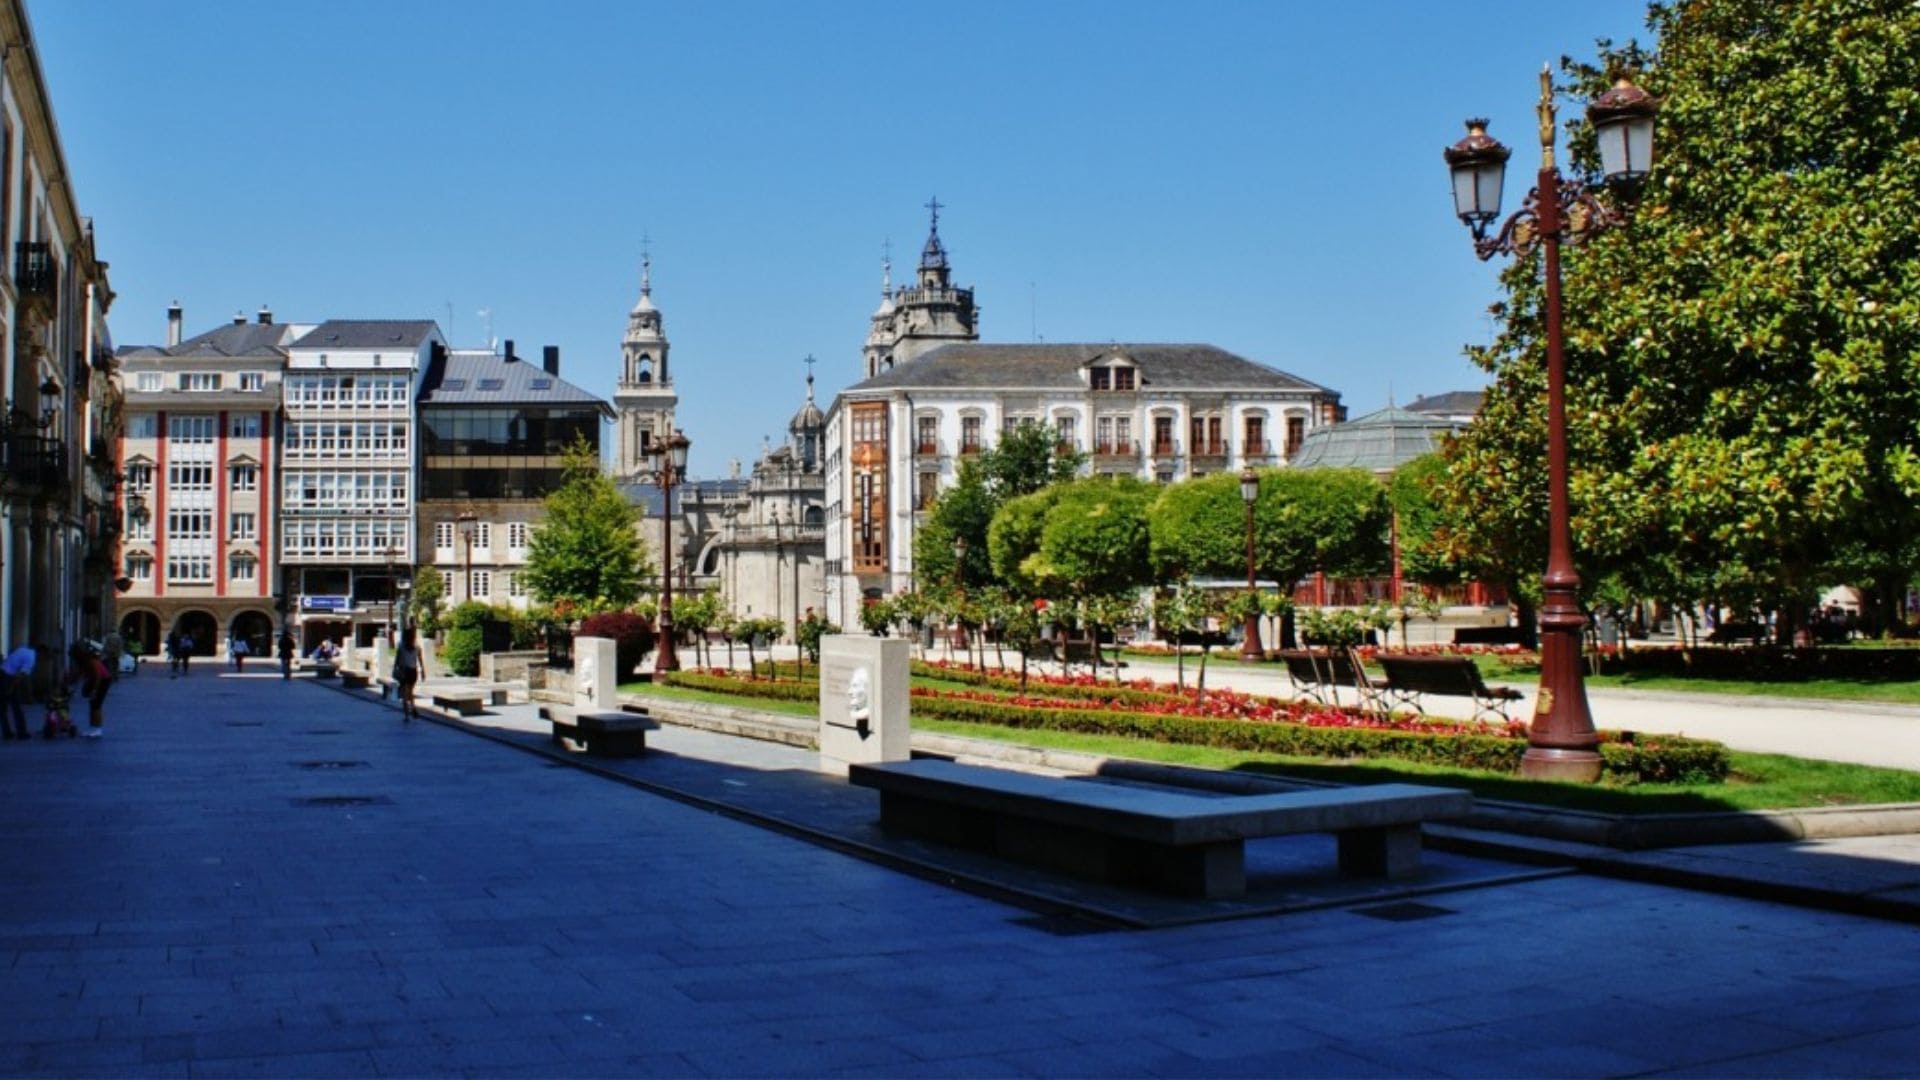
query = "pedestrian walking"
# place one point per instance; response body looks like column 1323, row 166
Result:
column 18, row 669
column 286, row 655
column 93, row 680
column 173, row 653
column 406, row 672
column 237, row 649
column 186, row 651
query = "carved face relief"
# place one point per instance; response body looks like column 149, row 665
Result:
column 586, row 674
column 859, row 695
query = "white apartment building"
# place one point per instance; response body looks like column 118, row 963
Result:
column 349, row 473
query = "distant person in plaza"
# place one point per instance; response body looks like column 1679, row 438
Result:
column 286, row 654
column 186, row 650
column 406, row 672
column 173, row 653
column 237, row 649
column 93, row 680
column 18, row 669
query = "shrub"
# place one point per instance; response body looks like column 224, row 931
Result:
column 462, row 651
column 808, row 634
column 632, row 636
column 723, row 683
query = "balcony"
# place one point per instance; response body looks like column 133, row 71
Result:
column 970, row 448
column 927, row 449
column 1257, row 448
column 33, row 276
column 1117, row 448
column 1165, row 449
column 33, row 463
column 1210, row 449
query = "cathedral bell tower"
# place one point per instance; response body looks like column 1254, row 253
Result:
column 914, row 319
column 644, row 398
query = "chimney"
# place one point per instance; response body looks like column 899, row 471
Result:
column 265, row 316
column 550, row 359
column 239, row 318
column 174, row 317
column 509, row 344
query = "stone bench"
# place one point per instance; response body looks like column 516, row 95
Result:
column 465, row 702
column 619, row 734
column 325, row 669
column 356, row 679
column 1169, row 841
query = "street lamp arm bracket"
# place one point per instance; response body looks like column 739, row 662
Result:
column 1582, row 215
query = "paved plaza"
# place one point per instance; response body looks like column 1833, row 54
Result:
column 253, row 877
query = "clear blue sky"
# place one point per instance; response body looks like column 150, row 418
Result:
column 1265, row 177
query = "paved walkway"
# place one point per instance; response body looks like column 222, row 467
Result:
column 248, row 877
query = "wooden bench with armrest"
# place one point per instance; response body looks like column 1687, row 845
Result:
column 1410, row 677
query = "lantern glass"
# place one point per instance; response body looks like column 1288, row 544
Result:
column 1476, row 190
column 679, row 446
column 1626, row 147
column 1249, row 487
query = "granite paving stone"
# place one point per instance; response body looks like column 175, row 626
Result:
column 181, row 912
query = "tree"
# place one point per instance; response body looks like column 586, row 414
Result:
column 587, row 551
column 1014, row 537
column 1305, row 521
column 423, row 603
column 1028, row 458
column 1095, row 540
column 1742, row 359
column 1413, row 497
column 695, row 615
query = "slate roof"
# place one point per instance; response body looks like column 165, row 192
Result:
column 367, row 334
column 1057, row 367
column 231, row 340
column 1379, row 441
column 1453, row 402
column 481, row 378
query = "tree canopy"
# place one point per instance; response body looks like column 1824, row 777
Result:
column 1027, row 459
column 587, row 551
column 1305, row 520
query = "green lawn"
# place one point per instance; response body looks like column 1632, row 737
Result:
column 1758, row 781
column 1894, row 692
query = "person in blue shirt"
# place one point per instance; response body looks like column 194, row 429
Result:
column 18, row 669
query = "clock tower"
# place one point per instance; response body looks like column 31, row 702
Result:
column 644, row 397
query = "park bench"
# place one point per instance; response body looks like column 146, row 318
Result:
column 602, row 733
column 462, row 700
column 1170, row 841
column 1318, row 675
column 325, row 669
column 1410, row 677
column 356, row 678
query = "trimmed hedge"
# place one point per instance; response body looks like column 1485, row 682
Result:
column 1119, row 695
column 1770, row 663
column 723, row 684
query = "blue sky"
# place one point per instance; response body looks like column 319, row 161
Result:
column 1265, row 177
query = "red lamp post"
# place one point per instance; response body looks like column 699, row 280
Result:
column 1250, row 639
column 1561, row 742
column 668, row 468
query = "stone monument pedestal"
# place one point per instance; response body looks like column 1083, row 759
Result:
column 863, row 701
column 596, row 674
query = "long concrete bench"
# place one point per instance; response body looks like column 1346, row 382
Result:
column 1165, row 840
column 617, row 734
column 356, row 678
column 465, row 702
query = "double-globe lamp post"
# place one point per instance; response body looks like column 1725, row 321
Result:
column 668, row 464
column 1250, row 645
column 1561, row 742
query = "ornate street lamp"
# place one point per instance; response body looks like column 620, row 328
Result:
column 1249, row 494
column 1561, row 742
column 467, row 520
column 667, row 466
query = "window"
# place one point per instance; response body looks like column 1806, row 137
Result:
column 241, row 568
column 199, row 380
column 1123, row 378
column 518, row 533
column 1163, row 434
column 1296, row 433
column 140, row 476
column 480, row 586
column 240, row 526
column 140, row 567
column 516, row 586
column 253, row 380
column 1102, row 378
column 143, row 426
column 186, row 568
column 443, row 534
column 969, row 434
column 183, row 476
column 1256, row 435
column 243, row 478
column 243, row 426
column 483, row 535
column 1065, row 433
column 928, row 428
column 190, row 429
column 147, row 381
